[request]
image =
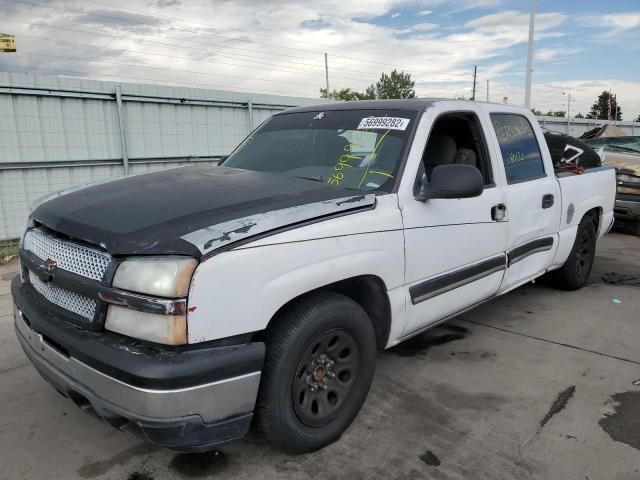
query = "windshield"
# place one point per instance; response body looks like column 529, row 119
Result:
column 352, row 149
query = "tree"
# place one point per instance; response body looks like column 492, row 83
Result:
column 347, row 95
column 536, row 112
column 605, row 108
column 637, row 119
column 395, row 85
column 344, row 94
column 370, row 93
column 579, row 115
column 560, row 114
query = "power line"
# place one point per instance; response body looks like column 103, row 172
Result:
column 163, row 68
column 289, row 70
column 273, row 66
column 253, row 33
column 154, row 80
column 209, row 44
column 235, row 55
column 193, row 31
column 173, row 19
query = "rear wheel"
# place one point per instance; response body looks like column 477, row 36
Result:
column 576, row 270
column 318, row 370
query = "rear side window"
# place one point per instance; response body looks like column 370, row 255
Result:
column 519, row 147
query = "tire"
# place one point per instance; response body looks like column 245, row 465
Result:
column 575, row 272
column 318, row 369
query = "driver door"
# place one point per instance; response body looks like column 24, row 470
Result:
column 455, row 248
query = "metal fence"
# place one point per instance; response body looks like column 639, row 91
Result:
column 57, row 132
column 577, row 126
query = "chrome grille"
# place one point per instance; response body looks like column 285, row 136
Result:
column 68, row 256
column 74, row 302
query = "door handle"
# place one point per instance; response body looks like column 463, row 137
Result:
column 498, row 212
column 547, row 200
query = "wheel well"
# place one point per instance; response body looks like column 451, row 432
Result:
column 368, row 291
column 595, row 214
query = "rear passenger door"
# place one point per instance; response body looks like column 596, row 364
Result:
column 532, row 196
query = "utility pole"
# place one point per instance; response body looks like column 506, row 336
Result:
column 527, row 85
column 475, row 73
column 487, row 89
column 326, row 71
column 568, row 111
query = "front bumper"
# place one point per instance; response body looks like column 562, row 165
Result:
column 157, row 403
column 627, row 207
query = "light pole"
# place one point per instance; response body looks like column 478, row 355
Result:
column 527, row 85
column 568, row 111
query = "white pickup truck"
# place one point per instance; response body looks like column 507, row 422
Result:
column 184, row 304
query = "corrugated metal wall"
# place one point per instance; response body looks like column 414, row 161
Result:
column 577, row 126
column 56, row 132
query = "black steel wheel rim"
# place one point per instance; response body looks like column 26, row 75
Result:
column 326, row 377
column 584, row 254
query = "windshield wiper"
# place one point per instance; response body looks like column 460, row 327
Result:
column 317, row 178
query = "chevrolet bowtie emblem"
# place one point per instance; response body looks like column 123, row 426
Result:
column 50, row 264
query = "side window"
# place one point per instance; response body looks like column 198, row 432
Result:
column 457, row 138
column 519, row 147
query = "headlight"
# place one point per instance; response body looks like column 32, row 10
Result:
column 29, row 224
column 165, row 329
column 624, row 178
column 161, row 276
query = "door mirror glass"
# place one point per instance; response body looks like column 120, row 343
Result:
column 451, row 181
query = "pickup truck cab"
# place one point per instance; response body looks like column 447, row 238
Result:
column 182, row 305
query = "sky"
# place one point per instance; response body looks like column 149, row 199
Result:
column 582, row 47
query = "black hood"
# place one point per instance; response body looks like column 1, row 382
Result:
column 147, row 214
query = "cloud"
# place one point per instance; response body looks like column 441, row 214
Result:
column 618, row 23
column 465, row 5
column 424, row 13
column 118, row 19
column 423, row 27
column 315, row 24
column 395, row 15
column 513, row 19
column 547, row 55
column 166, row 3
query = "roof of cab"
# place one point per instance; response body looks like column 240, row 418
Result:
column 414, row 104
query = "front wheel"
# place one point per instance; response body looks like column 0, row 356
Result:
column 318, row 370
column 576, row 270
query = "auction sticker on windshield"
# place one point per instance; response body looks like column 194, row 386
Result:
column 386, row 123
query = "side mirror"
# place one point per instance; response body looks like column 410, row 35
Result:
column 451, row 181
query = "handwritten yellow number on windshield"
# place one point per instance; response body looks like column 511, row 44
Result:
column 343, row 162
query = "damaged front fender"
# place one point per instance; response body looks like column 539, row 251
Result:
column 216, row 237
